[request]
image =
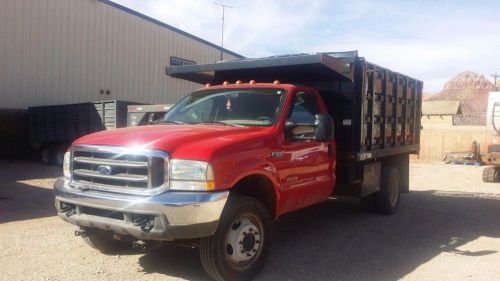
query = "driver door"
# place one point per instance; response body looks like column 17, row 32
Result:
column 306, row 168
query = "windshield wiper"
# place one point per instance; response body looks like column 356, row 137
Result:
column 217, row 122
column 171, row 122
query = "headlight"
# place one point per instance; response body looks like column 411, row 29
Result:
column 191, row 175
column 66, row 164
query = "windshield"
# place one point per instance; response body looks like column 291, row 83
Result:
column 247, row 107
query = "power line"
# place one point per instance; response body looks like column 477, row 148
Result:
column 222, row 37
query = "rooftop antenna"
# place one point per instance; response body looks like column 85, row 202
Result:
column 222, row 39
column 495, row 76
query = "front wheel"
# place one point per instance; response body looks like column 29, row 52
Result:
column 241, row 244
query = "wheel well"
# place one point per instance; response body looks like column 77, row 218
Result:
column 260, row 188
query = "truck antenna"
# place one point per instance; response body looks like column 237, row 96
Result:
column 222, row 38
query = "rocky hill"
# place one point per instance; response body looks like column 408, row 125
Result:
column 468, row 87
column 427, row 95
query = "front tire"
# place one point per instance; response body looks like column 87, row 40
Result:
column 240, row 246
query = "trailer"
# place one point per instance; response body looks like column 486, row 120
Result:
column 140, row 115
column 13, row 128
column 53, row 128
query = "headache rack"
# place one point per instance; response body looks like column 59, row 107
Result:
column 116, row 169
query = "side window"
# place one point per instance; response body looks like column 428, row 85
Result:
column 304, row 109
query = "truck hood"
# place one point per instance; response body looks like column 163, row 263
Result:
column 198, row 142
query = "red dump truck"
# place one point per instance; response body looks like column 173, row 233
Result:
column 264, row 138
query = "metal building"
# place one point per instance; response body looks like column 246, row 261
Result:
column 70, row 51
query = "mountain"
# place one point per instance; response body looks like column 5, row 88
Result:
column 427, row 95
column 470, row 88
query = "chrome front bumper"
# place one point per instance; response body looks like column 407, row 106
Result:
column 173, row 215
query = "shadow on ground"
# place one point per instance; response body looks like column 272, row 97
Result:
column 337, row 241
column 331, row 241
column 16, row 170
column 25, row 190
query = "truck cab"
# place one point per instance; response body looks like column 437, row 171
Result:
column 232, row 157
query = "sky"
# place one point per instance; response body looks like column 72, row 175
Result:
column 428, row 40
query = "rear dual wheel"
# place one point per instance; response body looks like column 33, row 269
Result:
column 52, row 155
column 46, row 156
column 386, row 200
column 241, row 244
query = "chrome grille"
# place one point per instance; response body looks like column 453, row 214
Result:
column 119, row 169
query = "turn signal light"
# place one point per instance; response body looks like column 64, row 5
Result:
column 210, row 185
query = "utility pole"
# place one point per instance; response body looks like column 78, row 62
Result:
column 222, row 38
column 495, row 76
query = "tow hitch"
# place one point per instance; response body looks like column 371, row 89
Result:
column 68, row 209
column 146, row 223
column 140, row 245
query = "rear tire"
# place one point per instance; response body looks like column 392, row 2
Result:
column 240, row 246
column 491, row 174
column 104, row 244
column 387, row 198
column 47, row 156
column 59, row 157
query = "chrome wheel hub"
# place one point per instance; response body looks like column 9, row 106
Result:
column 243, row 240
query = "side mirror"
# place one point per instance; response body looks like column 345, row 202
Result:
column 321, row 130
column 324, row 129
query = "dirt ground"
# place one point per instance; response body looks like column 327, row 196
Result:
column 447, row 228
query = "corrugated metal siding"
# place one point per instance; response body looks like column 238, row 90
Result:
column 67, row 51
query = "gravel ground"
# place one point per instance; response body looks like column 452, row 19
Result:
column 447, row 228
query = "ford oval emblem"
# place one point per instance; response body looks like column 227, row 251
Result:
column 104, row 170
